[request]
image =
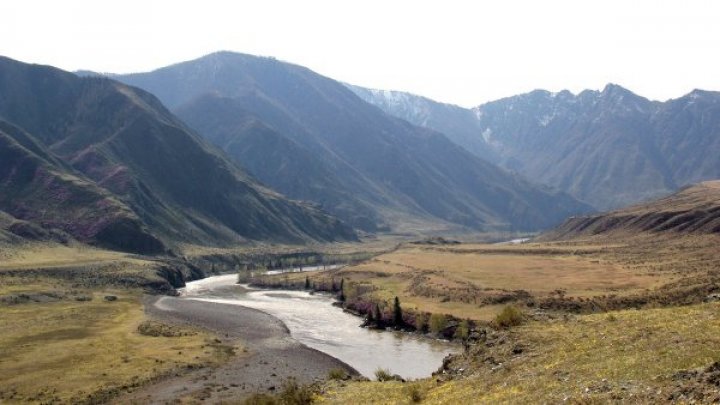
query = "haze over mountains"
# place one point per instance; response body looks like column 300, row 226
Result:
column 107, row 164
column 609, row 148
column 311, row 138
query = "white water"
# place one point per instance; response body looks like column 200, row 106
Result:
column 313, row 321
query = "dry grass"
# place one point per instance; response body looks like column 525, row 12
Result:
column 474, row 281
column 47, row 255
column 69, row 350
column 591, row 359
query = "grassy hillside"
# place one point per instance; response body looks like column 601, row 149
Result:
column 649, row 356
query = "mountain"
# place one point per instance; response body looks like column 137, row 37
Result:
column 312, row 138
column 609, row 148
column 458, row 123
column 695, row 209
column 108, row 164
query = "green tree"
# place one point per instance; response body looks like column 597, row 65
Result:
column 378, row 315
column 341, row 297
column 397, row 313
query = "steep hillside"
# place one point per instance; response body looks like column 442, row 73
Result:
column 459, row 124
column 277, row 160
column 609, row 148
column 41, row 190
column 695, row 209
column 107, row 162
column 401, row 172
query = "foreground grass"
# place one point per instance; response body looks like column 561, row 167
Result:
column 73, row 351
column 627, row 355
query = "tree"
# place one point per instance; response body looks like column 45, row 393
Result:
column 341, row 297
column 397, row 313
column 378, row 315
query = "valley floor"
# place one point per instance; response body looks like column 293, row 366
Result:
column 628, row 318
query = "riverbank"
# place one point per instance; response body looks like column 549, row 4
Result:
column 270, row 355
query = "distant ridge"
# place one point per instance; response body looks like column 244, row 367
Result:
column 609, row 148
column 693, row 210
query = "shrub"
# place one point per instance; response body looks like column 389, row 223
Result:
column 509, row 316
column 338, row 374
column 382, row 374
column 463, row 330
column 415, row 392
column 437, row 323
column 156, row 329
column 295, row 394
column 261, row 399
column 421, row 322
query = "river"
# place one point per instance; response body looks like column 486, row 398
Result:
column 315, row 322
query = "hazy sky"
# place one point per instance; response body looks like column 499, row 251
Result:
column 463, row 52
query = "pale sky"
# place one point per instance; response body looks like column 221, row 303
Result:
column 461, row 52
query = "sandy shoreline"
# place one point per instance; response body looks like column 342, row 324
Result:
column 273, row 355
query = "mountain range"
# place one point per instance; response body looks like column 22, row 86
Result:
column 608, row 148
column 313, row 139
column 105, row 163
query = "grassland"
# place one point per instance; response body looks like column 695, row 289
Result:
column 62, row 341
column 475, row 281
column 44, row 255
column 638, row 356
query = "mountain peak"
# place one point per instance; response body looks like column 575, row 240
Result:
column 612, row 88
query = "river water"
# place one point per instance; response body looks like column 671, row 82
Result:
column 315, row 322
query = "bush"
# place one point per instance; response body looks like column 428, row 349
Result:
column 261, row 399
column 437, row 323
column 415, row 392
column 463, row 330
column 157, row 329
column 384, row 375
column 338, row 374
column 295, row 394
column 421, row 322
column 509, row 316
